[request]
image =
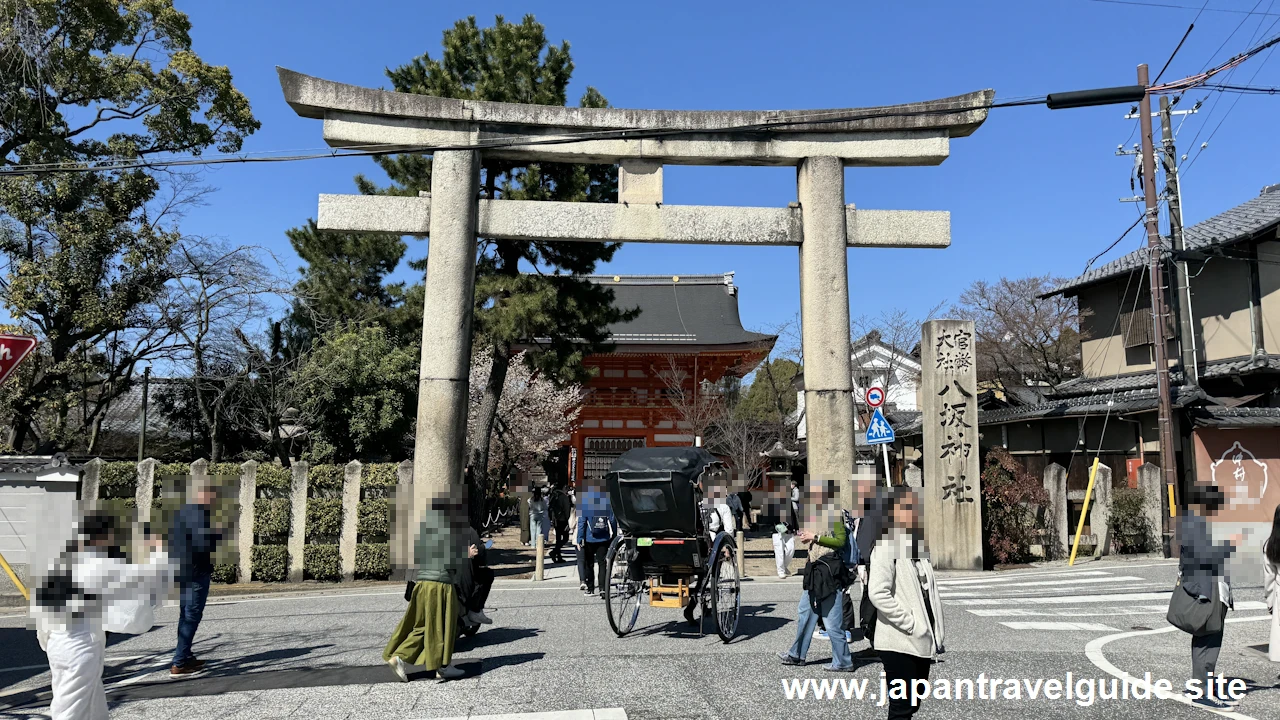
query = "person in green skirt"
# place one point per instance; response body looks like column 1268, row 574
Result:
column 426, row 633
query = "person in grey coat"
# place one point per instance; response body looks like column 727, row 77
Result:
column 901, row 586
column 1202, row 564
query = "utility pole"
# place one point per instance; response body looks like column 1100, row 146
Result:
column 1158, row 310
column 142, row 429
column 1182, row 298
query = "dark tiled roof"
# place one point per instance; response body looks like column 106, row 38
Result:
column 904, row 422
column 1126, row 401
column 693, row 310
column 1217, row 368
column 1236, row 224
column 1219, row 416
column 31, row 463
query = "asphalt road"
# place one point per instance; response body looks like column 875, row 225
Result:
column 551, row 649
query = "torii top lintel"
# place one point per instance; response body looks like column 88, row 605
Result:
column 909, row 134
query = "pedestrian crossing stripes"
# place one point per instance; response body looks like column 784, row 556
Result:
column 1068, row 601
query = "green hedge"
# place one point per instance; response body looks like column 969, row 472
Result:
column 325, row 480
column 324, row 519
column 225, row 572
column 271, row 518
column 270, row 563
column 373, row 561
column 321, row 562
column 118, row 480
column 378, row 481
column 374, row 521
column 276, row 480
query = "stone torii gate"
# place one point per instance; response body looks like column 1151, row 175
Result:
column 459, row 133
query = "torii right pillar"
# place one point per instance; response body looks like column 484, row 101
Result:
column 952, row 484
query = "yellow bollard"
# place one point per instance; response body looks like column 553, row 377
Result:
column 14, row 577
column 1084, row 512
column 1173, row 509
column 538, row 560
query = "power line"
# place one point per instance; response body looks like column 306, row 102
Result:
column 1183, row 7
column 1123, row 235
column 813, row 119
column 1190, row 27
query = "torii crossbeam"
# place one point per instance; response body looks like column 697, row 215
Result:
column 458, row 133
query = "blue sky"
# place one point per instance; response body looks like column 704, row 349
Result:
column 1032, row 192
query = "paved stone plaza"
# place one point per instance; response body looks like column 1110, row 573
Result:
column 319, row 655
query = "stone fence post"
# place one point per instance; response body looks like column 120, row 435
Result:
column 1151, row 482
column 244, row 524
column 400, row 537
column 198, row 478
column 142, row 497
column 1055, row 484
column 298, row 521
column 914, row 476
column 89, row 484
column 1100, row 513
column 350, row 514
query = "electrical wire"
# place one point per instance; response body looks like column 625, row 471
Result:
column 1182, row 7
column 1123, row 235
column 809, row 120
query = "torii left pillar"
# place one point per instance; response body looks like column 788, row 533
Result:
column 824, row 320
column 439, row 452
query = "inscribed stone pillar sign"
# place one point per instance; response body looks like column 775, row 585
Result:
column 952, row 486
column 1100, row 511
column 1055, row 484
column 438, row 461
column 824, row 311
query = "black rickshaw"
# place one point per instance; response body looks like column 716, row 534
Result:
column 664, row 551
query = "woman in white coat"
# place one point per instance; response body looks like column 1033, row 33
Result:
column 70, row 606
column 1271, row 584
column 908, row 629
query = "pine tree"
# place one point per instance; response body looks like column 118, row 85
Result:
column 512, row 62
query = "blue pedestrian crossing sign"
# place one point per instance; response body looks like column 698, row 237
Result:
column 879, row 431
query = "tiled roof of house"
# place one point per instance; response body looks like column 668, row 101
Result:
column 1219, row 416
column 1119, row 402
column 1239, row 223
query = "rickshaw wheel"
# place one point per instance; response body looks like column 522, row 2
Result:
column 726, row 592
column 622, row 596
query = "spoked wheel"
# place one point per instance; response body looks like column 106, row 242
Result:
column 622, row 596
column 726, row 591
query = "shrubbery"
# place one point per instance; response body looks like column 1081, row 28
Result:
column 324, row 481
column 273, row 480
column 1130, row 531
column 324, row 519
column 271, row 519
column 270, row 563
column 1011, row 498
column 373, row 561
column 374, row 522
column 118, row 480
column 321, row 562
column 225, row 572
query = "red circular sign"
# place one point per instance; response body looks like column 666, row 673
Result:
column 875, row 397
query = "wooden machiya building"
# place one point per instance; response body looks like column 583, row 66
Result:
column 688, row 333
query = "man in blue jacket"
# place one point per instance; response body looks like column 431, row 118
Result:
column 191, row 543
column 596, row 527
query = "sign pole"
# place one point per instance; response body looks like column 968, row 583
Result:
column 888, row 479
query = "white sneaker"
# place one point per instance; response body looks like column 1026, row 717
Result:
column 479, row 618
column 398, row 666
column 449, row 672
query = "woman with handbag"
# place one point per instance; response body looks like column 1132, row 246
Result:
column 1200, row 602
column 1271, row 584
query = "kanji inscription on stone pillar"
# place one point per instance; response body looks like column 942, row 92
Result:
column 952, row 486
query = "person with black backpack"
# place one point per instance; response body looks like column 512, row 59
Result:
column 71, row 603
column 827, row 577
